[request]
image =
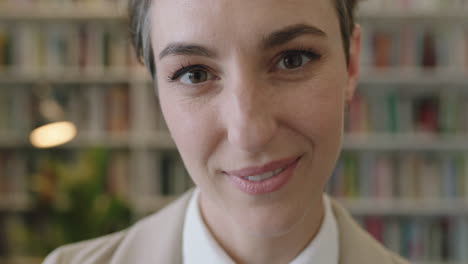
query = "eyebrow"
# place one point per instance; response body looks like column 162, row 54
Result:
column 181, row 48
column 282, row 36
column 276, row 38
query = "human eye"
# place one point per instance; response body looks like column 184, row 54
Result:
column 192, row 74
column 293, row 59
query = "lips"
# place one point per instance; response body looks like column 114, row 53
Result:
column 272, row 166
column 252, row 180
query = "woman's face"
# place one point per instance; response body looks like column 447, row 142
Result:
column 244, row 84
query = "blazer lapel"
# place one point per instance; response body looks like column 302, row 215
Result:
column 158, row 238
column 356, row 245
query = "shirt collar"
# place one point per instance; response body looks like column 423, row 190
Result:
column 199, row 246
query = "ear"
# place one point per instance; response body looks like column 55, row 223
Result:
column 354, row 62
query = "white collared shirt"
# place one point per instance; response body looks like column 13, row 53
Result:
column 199, row 246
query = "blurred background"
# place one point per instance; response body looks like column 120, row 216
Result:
column 84, row 150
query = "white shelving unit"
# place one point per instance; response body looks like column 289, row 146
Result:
column 73, row 78
column 425, row 207
column 412, row 142
column 414, row 79
column 50, row 11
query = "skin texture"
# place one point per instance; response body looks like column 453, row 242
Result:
column 252, row 110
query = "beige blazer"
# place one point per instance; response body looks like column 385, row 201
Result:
column 158, row 239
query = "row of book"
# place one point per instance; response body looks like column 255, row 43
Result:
column 126, row 108
column 14, row 105
column 414, row 46
column 54, row 48
column 410, row 176
column 426, row 240
column 413, row 5
column 93, row 109
column 408, row 111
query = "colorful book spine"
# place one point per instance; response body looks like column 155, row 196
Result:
column 415, row 5
column 58, row 48
column 422, row 239
column 118, row 110
column 400, row 176
column 117, row 178
column 406, row 47
column 394, row 111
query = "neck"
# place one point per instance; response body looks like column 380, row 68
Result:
column 244, row 247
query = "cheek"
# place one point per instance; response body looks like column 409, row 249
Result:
column 317, row 110
column 192, row 130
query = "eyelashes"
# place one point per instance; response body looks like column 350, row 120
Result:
column 184, row 69
column 311, row 54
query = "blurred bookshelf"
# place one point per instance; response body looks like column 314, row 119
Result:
column 403, row 172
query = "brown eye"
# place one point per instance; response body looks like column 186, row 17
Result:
column 195, row 76
column 293, row 60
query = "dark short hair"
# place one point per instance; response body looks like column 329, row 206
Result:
column 140, row 28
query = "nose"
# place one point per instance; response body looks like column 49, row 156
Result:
column 249, row 115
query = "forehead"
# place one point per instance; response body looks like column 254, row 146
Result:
column 224, row 22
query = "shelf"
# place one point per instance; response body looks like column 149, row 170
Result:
column 361, row 142
column 62, row 12
column 412, row 16
column 74, row 77
column 154, row 140
column 425, row 207
column 141, row 140
column 413, row 142
column 414, row 78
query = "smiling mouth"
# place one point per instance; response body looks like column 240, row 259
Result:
column 265, row 171
column 264, row 176
column 264, row 179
